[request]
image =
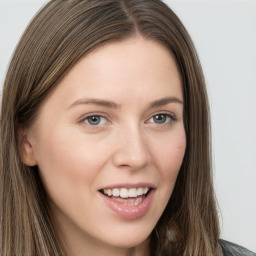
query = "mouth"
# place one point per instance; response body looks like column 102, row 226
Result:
column 128, row 201
column 127, row 196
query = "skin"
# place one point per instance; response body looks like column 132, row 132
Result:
column 76, row 159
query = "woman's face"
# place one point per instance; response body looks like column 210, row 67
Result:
column 109, row 143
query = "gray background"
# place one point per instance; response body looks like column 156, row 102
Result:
column 224, row 33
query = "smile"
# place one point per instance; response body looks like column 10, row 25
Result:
column 128, row 203
column 131, row 196
column 125, row 193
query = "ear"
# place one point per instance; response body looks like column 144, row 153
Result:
column 25, row 148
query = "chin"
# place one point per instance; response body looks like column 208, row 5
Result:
column 130, row 238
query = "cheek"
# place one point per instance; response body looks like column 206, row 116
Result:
column 171, row 155
column 70, row 154
column 170, row 158
column 70, row 165
column 69, row 168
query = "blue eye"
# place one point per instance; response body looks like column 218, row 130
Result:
column 161, row 119
column 95, row 120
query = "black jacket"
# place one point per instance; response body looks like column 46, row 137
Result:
column 230, row 249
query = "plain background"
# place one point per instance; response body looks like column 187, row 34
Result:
column 224, row 33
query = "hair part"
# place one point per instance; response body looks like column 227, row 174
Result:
column 63, row 32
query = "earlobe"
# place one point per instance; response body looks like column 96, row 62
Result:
column 25, row 148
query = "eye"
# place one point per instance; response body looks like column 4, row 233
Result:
column 95, row 120
column 162, row 119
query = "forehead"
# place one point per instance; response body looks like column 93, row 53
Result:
column 125, row 69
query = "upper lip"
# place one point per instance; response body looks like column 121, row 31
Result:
column 130, row 185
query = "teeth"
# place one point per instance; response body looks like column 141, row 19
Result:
column 138, row 201
column 132, row 192
column 126, row 193
column 131, row 201
column 109, row 192
column 115, row 192
column 145, row 190
column 140, row 191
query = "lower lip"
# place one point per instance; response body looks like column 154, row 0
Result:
column 127, row 211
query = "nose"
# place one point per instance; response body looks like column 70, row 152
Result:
column 132, row 150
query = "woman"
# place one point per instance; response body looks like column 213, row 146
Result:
column 105, row 136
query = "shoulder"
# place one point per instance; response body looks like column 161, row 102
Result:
column 230, row 249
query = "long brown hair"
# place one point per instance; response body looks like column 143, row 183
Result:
column 59, row 35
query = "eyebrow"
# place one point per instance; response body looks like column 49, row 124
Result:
column 165, row 101
column 93, row 101
column 110, row 104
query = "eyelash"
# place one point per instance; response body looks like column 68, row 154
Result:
column 169, row 117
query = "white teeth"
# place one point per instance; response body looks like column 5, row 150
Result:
column 132, row 192
column 139, row 191
column 145, row 190
column 126, row 193
column 115, row 192
column 109, row 192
